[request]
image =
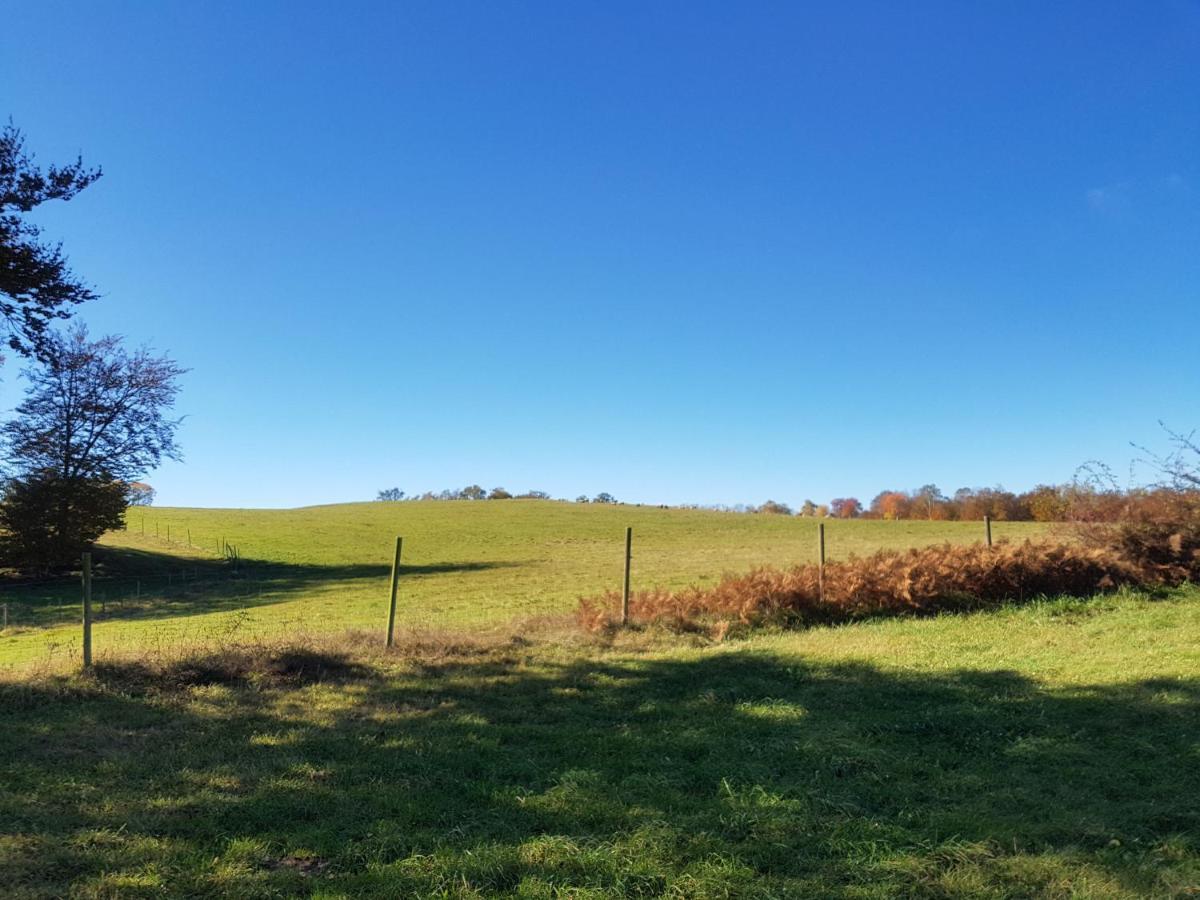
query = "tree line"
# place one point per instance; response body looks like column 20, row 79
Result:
column 1043, row 503
column 475, row 492
column 1088, row 499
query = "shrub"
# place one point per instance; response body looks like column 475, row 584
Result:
column 926, row 580
column 1157, row 532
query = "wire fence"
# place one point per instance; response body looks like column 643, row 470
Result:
column 178, row 600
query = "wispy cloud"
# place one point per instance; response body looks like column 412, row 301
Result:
column 1114, row 197
column 1107, row 197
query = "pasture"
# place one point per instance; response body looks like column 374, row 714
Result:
column 1047, row 750
column 467, row 566
column 245, row 734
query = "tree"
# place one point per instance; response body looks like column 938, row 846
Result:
column 94, row 420
column 808, row 509
column 845, row 507
column 582, row 498
column 773, row 508
column 927, row 498
column 140, row 494
column 390, row 495
column 1046, row 503
column 604, row 497
column 533, row 495
column 499, row 493
column 472, row 492
column 822, row 511
column 36, row 285
column 890, row 505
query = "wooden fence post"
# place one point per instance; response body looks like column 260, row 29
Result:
column 987, row 529
column 821, row 560
column 625, row 590
column 391, row 631
column 87, row 610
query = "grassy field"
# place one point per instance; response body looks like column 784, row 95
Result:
column 466, row 565
column 1050, row 750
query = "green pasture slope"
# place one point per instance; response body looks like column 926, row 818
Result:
column 321, row 570
column 1044, row 751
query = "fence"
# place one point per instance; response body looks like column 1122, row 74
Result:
column 229, row 583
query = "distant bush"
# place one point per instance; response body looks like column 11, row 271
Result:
column 926, row 580
column 604, row 498
column 775, row 509
column 533, row 495
column 390, row 495
column 499, row 493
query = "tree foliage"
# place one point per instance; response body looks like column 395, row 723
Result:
column 46, row 521
column 36, row 284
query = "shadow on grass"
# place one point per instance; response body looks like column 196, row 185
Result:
column 132, row 583
column 731, row 774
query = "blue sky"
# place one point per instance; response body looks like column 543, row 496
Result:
column 680, row 252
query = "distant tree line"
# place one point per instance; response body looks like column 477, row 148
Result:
column 1045, row 503
column 1093, row 499
column 470, row 492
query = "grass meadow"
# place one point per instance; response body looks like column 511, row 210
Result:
column 227, row 746
column 467, row 566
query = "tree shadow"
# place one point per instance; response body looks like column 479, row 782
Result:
column 735, row 773
column 130, row 583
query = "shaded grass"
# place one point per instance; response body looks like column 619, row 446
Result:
column 467, row 565
column 1047, row 751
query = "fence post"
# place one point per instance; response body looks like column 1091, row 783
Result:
column 168, row 532
column 392, row 605
column 189, row 537
column 821, row 560
column 987, row 529
column 87, row 610
column 625, row 590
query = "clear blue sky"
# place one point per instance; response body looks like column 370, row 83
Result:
column 674, row 251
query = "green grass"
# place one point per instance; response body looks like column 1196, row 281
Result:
column 467, row 565
column 1051, row 750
